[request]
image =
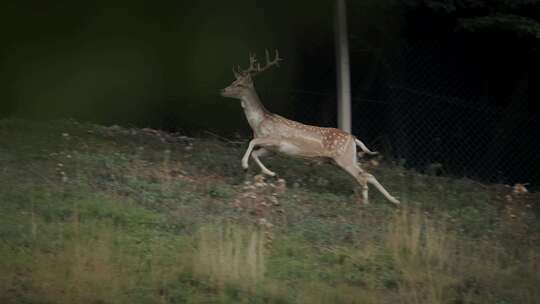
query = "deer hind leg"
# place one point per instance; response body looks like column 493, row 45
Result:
column 255, row 155
column 357, row 173
column 348, row 163
column 363, row 178
column 372, row 180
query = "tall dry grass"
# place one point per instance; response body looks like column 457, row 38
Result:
column 231, row 254
column 80, row 272
column 235, row 255
column 94, row 264
column 437, row 265
column 426, row 255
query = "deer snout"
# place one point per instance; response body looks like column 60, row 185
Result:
column 228, row 92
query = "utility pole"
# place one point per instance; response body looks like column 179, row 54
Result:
column 343, row 72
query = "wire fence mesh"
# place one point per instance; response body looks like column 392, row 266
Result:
column 429, row 118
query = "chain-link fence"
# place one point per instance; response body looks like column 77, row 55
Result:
column 429, row 118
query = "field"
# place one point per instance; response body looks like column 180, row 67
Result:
column 94, row 214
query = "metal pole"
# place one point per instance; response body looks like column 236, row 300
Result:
column 343, row 73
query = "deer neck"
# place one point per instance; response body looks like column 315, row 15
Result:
column 254, row 109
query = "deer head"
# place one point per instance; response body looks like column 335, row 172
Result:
column 243, row 83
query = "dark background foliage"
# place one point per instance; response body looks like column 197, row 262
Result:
column 455, row 80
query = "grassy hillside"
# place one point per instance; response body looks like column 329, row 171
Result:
column 92, row 214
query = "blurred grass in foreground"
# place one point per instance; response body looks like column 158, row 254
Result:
column 90, row 214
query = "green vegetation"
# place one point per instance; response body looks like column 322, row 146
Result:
column 92, row 214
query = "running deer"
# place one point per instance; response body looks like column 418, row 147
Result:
column 272, row 132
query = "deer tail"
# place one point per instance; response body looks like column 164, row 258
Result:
column 364, row 148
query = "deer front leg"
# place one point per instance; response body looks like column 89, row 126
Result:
column 245, row 158
column 257, row 142
column 255, row 155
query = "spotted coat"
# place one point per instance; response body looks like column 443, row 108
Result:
column 330, row 142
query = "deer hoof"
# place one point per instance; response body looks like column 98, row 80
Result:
column 244, row 166
column 362, row 201
column 269, row 173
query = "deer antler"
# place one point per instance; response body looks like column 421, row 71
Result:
column 236, row 73
column 255, row 67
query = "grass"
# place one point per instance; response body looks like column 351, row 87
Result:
column 93, row 214
column 229, row 254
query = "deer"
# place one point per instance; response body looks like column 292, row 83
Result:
column 274, row 133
